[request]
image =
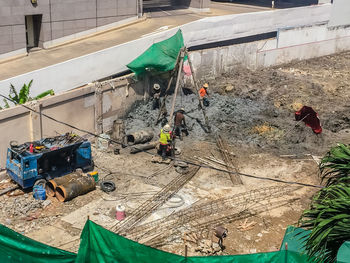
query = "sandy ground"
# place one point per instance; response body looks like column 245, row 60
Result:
column 320, row 83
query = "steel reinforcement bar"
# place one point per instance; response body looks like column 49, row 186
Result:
column 198, row 211
column 154, row 202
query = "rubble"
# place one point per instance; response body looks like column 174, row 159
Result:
column 208, row 248
column 21, row 206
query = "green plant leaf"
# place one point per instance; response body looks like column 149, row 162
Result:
column 44, row 94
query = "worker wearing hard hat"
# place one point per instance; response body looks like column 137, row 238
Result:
column 180, row 123
column 156, row 96
column 204, row 94
column 164, row 140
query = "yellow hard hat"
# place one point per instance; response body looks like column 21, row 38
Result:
column 206, row 85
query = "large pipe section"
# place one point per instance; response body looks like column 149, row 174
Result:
column 74, row 188
column 52, row 184
column 140, row 148
column 139, row 137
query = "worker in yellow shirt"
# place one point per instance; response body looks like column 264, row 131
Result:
column 164, row 140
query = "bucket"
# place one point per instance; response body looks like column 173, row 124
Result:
column 103, row 142
column 120, row 212
column 39, row 192
column 94, row 174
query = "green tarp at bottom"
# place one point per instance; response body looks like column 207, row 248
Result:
column 15, row 247
column 100, row 245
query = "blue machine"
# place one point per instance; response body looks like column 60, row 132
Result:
column 33, row 162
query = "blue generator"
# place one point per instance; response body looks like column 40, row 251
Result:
column 34, row 163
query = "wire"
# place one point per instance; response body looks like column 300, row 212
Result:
column 172, row 158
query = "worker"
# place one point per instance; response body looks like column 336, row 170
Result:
column 204, row 94
column 156, row 96
column 164, row 140
column 180, row 123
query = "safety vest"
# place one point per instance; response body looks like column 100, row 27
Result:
column 202, row 92
column 164, row 137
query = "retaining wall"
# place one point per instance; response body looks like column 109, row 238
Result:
column 92, row 108
column 290, row 44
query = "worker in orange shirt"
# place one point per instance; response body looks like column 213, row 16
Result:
column 204, row 94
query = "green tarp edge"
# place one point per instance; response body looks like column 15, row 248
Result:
column 100, row 245
column 160, row 56
column 343, row 255
column 294, row 237
column 15, row 247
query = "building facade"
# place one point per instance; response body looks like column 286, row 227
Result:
column 25, row 24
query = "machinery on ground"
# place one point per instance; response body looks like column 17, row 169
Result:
column 34, row 163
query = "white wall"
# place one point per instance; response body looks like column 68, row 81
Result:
column 293, row 44
column 79, row 71
column 304, row 43
column 340, row 14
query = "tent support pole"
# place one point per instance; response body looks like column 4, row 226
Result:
column 197, row 89
column 182, row 55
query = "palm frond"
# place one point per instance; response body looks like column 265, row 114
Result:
column 335, row 165
column 329, row 221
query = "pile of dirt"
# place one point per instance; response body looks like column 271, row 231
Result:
column 244, row 101
column 235, row 118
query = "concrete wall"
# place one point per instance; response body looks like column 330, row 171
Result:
column 60, row 18
column 291, row 44
column 102, row 64
column 340, row 15
column 78, row 107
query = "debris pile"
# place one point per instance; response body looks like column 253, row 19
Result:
column 21, row 206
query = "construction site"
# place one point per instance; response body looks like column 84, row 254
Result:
column 190, row 152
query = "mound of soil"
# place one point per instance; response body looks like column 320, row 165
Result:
column 256, row 107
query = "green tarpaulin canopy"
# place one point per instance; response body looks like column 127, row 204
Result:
column 160, row 56
column 15, row 247
column 100, row 245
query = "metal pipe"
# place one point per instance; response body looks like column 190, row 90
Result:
column 74, row 188
column 139, row 137
column 141, row 148
column 52, row 184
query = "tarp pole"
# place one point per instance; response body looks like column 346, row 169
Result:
column 162, row 106
column 197, row 89
column 182, row 55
